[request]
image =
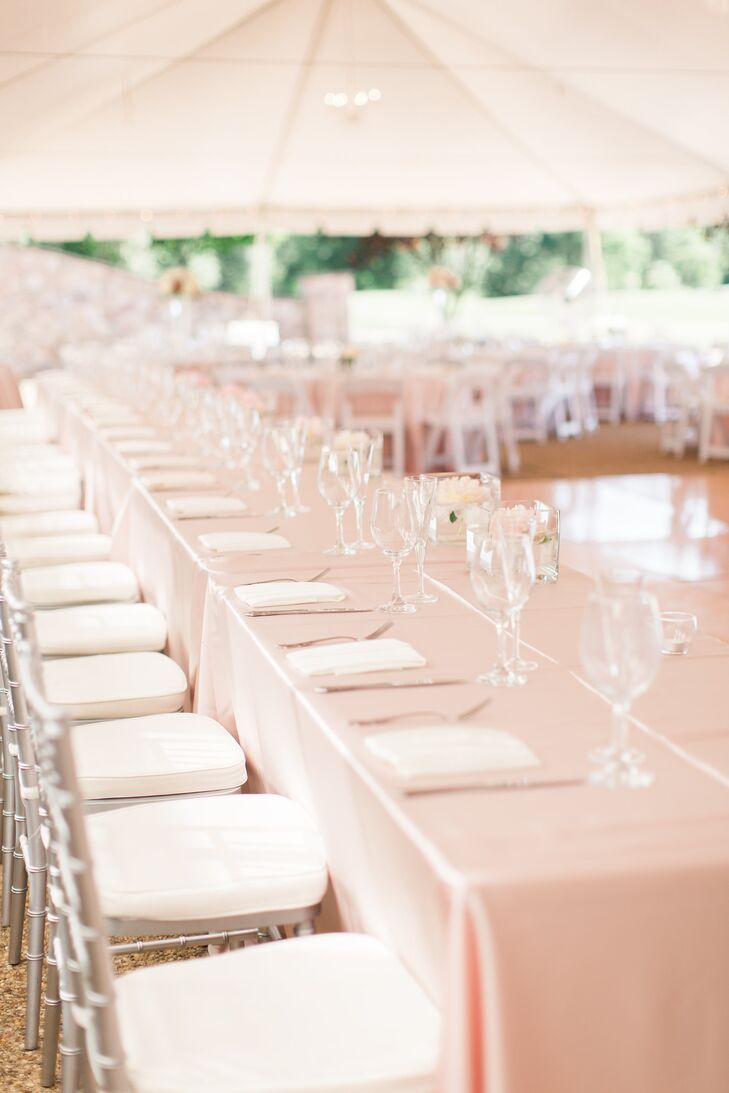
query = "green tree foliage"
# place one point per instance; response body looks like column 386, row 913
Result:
column 485, row 264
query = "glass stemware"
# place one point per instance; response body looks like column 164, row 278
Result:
column 300, row 435
column 366, row 450
column 393, row 529
column 276, row 450
column 248, row 419
column 502, row 575
column 620, row 648
column 337, row 480
column 420, row 492
column 517, row 516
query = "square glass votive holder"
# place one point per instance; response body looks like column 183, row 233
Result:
column 679, row 630
column 546, row 542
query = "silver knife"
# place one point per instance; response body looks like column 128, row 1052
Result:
column 269, row 612
column 507, row 783
column 340, row 688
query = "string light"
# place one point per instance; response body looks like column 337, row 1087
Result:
column 359, row 98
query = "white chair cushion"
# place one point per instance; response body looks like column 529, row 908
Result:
column 115, row 685
column 79, row 583
column 354, row 1021
column 67, row 522
column 24, row 428
column 156, row 756
column 39, row 479
column 101, row 628
column 206, row 857
column 12, row 503
column 44, row 550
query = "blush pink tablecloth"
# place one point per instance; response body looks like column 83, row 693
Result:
column 575, row 939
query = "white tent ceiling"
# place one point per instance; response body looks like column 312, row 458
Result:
column 502, row 115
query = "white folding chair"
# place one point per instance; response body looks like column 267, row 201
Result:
column 466, row 437
column 353, row 1017
column 375, row 404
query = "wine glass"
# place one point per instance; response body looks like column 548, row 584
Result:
column 337, row 482
column 248, row 419
column 393, row 529
column 300, row 433
column 366, row 448
column 517, row 516
column 276, row 453
column 620, row 649
column 420, row 492
column 502, row 575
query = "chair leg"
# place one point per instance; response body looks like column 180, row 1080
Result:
column 51, row 1017
column 8, row 843
column 70, row 1047
column 34, row 956
column 18, row 892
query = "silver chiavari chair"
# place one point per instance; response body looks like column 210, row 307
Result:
column 349, row 1014
column 267, row 852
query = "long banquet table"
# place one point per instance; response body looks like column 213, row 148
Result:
column 576, row 939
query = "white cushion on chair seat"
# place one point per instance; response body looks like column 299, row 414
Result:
column 355, row 1021
column 206, row 857
column 78, row 583
column 66, row 522
column 156, row 756
column 115, row 685
column 39, row 478
column 11, row 503
column 101, row 628
column 45, row 550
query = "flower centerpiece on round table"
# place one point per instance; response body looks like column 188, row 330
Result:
column 179, row 281
column 453, row 497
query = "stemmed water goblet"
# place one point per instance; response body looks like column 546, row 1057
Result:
column 394, row 531
column 300, row 431
column 248, row 420
column 420, row 492
column 365, row 448
column 276, row 453
column 620, row 648
column 502, row 576
column 337, row 480
column 517, row 516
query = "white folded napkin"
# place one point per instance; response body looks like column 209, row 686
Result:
column 449, row 754
column 205, row 504
column 226, row 542
column 284, row 593
column 353, row 657
column 163, row 460
column 178, row 480
column 142, row 447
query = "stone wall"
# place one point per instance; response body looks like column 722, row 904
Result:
column 49, row 300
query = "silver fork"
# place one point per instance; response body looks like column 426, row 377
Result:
column 421, row 713
column 304, row 580
column 336, row 637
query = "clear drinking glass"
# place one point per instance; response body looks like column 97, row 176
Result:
column 276, row 451
column 419, row 490
column 366, row 451
column 249, row 432
column 337, row 481
column 502, row 575
column 679, row 630
column 518, row 516
column 300, row 436
column 393, row 529
column 620, row 648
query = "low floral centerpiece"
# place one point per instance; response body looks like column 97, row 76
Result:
column 454, row 495
column 348, row 356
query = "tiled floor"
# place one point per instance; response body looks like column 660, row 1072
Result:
column 674, row 529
